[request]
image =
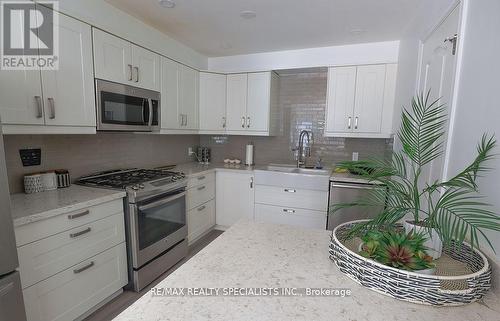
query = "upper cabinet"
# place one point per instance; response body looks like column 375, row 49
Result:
column 58, row 101
column 237, row 88
column 213, row 103
column 179, row 98
column 360, row 101
column 121, row 61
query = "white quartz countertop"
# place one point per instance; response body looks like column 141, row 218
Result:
column 194, row 169
column 254, row 255
column 29, row 208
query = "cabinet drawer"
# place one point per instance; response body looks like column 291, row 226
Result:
column 291, row 197
column 200, row 179
column 71, row 293
column 200, row 194
column 42, row 259
column 200, row 220
column 57, row 224
column 290, row 216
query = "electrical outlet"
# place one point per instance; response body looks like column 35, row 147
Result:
column 355, row 156
column 190, row 151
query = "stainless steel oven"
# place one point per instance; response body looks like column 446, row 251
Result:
column 126, row 108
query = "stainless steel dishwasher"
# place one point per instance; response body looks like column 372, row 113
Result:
column 346, row 192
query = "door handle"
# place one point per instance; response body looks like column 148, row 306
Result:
column 73, row 216
column 248, row 119
column 201, row 208
column 223, row 122
column 251, row 182
column 243, row 122
column 130, row 77
column 77, row 234
column 349, row 123
column 52, row 108
column 186, row 123
column 83, row 268
column 356, row 122
column 290, row 190
column 286, row 210
column 201, row 177
column 201, row 188
column 136, row 74
column 39, row 107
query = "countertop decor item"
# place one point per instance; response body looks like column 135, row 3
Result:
column 462, row 274
column 33, row 183
column 63, row 178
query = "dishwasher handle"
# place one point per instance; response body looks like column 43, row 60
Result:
column 354, row 186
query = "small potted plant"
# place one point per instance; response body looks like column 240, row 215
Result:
column 445, row 212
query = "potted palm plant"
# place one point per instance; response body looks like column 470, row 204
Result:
column 449, row 211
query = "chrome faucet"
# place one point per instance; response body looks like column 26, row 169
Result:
column 301, row 151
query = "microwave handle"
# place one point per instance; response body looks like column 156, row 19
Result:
column 150, row 103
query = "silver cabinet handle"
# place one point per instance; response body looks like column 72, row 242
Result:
column 290, row 190
column 224, row 122
column 286, row 210
column 186, row 123
column 201, row 208
column 130, row 73
column 251, row 182
column 136, row 74
column 73, row 216
column 39, row 107
column 201, row 177
column 77, row 234
column 83, row 268
column 248, row 124
column 349, row 123
column 181, row 119
column 201, row 188
column 356, row 122
column 52, row 108
column 243, row 122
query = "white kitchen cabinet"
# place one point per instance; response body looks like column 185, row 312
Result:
column 188, row 97
column 360, row 101
column 67, row 102
column 212, row 103
column 258, row 101
column 234, row 197
column 200, row 205
column 290, row 216
column 170, row 113
column 121, row 61
column 237, row 85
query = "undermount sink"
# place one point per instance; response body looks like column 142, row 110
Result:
column 289, row 175
column 292, row 169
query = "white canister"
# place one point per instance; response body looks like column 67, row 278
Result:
column 33, row 184
column 249, row 155
column 49, row 181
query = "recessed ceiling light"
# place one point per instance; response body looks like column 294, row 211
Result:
column 167, row 3
column 248, row 14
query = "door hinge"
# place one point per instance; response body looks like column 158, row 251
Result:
column 453, row 41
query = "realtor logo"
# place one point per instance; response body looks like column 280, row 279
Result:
column 29, row 35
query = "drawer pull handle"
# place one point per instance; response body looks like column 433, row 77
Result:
column 286, row 210
column 201, row 188
column 290, row 190
column 201, row 208
column 73, row 216
column 201, row 177
column 77, row 234
column 83, row 268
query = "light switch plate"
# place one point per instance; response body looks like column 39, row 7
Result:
column 355, row 156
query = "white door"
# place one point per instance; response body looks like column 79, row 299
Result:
column 69, row 97
column 170, row 113
column 340, row 99
column 146, row 68
column 188, row 97
column 369, row 99
column 212, row 102
column 437, row 74
column 236, row 102
column 258, row 101
column 234, row 197
column 112, row 58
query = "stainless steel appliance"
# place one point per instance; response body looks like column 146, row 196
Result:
column 155, row 217
column 126, row 108
column 342, row 192
column 11, row 296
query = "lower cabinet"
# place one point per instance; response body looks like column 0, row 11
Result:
column 234, row 197
column 200, row 220
column 200, row 205
column 290, row 216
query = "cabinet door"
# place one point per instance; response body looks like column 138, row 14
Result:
column 236, row 102
column 146, row 68
column 170, row 113
column 369, row 99
column 113, row 58
column 69, row 97
column 212, row 102
column 188, row 97
column 234, row 197
column 340, row 99
column 259, row 94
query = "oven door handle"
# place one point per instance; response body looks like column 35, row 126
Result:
column 150, row 121
column 161, row 202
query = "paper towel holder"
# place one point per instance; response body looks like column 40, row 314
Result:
column 249, row 154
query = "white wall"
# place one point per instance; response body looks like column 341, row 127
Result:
column 478, row 103
column 367, row 53
column 102, row 15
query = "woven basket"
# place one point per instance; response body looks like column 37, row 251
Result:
column 451, row 286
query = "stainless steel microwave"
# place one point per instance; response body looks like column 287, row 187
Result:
column 126, row 108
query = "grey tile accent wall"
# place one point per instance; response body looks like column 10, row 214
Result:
column 85, row 154
column 303, row 99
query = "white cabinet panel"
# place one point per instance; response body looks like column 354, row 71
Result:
column 113, row 57
column 212, row 102
column 290, row 196
column 69, row 97
column 369, row 99
column 234, row 197
column 258, row 101
column 170, row 113
column 341, row 89
column 290, row 216
column 200, row 194
column 200, row 219
column 236, row 102
column 146, row 68
column 188, row 97
column 201, row 179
